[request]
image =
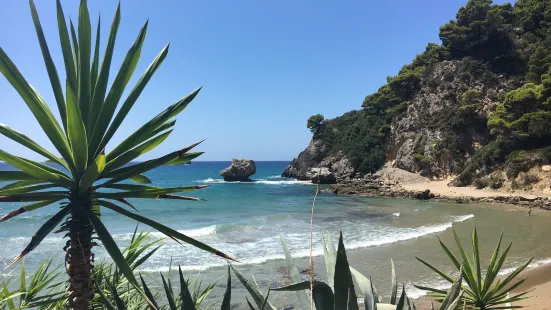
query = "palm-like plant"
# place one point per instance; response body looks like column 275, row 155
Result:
column 85, row 177
column 482, row 290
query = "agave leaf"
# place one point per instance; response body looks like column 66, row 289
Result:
column 66, row 47
column 401, row 305
column 168, row 292
column 187, row 301
column 330, row 256
column 95, row 62
column 40, row 234
column 26, row 208
column 102, row 81
column 115, row 93
column 495, row 272
column 144, row 132
column 18, row 184
column 36, row 104
column 15, row 175
column 455, row 303
column 250, row 305
column 76, row 132
column 165, row 230
column 29, row 143
column 137, row 169
column 265, row 299
column 84, row 49
column 503, row 294
column 492, row 272
column 226, row 302
column 52, row 195
column 440, row 273
column 147, row 193
column 394, row 286
column 91, row 173
column 65, row 180
column 453, row 294
column 26, row 189
column 147, row 292
column 22, row 281
column 295, row 275
column 136, row 152
column 450, row 255
column 186, row 158
column 322, row 294
column 50, row 66
column 365, row 286
column 257, row 296
column 131, row 187
column 32, row 169
column 476, row 258
column 343, row 280
column 470, row 276
column 75, row 48
column 141, row 179
column 133, row 96
column 510, row 277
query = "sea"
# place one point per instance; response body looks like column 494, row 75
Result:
column 247, row 219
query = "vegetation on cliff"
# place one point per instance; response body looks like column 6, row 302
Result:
column 507, row 49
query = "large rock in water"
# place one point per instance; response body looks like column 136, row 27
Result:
column 240, row 170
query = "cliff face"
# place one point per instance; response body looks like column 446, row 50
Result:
column 476, row 103
column 438, row 133
column 431, row 137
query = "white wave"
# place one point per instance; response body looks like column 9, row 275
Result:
column 397, row 214
column 198, row 232
column 536, row 264
column 408, row 235
column 259, row 181
column 463, row 218
column 274, row 177
column 282, row 182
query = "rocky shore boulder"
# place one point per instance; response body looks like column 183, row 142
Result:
column 240, row 170
column 334, row 167
column 321, row 176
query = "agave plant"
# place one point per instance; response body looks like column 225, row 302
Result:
column 339, row 291
column 482, row 290
column 85, row 177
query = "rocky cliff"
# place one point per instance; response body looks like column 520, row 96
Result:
column 476, row 103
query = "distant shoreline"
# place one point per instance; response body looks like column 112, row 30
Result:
column 397, row 183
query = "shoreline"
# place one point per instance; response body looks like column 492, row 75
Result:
column 397, row 183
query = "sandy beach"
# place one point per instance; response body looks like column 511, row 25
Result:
column 539, row 282
column 441, row 188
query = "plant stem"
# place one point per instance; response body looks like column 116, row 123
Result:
column 79, row 258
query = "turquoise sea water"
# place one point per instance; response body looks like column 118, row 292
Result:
column 246, row 221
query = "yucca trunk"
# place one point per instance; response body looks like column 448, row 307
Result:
column 79, row 258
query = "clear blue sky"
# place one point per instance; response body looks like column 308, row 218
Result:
column 265, row 66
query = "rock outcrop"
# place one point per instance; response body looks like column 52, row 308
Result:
column 321, row 176
column 240, row 170
column 314, row 163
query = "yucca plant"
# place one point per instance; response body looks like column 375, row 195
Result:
column 483, row 290
column 86, row 177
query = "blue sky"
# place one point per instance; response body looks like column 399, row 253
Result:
column 265, row 66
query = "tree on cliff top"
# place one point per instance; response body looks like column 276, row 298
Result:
column 315, row 123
